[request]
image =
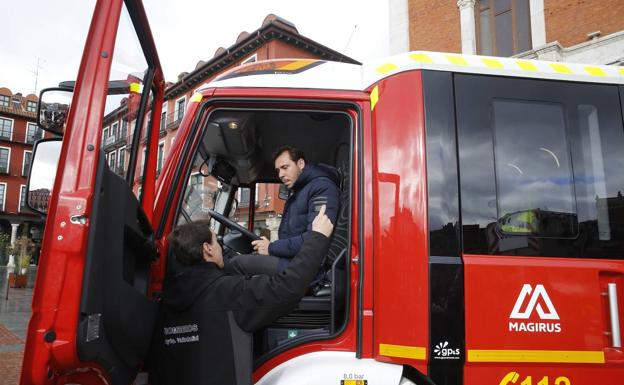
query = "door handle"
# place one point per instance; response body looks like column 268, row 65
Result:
column 614, row 312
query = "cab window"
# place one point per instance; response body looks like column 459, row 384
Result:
column 534, row 183
column 127, row 111
column 541, row 167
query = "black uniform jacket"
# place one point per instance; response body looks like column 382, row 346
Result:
column 203, row 332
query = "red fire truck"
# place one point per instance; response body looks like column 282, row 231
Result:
column 480, row 238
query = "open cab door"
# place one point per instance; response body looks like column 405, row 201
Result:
column 92, row 316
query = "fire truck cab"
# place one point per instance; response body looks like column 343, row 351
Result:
column 480, row 237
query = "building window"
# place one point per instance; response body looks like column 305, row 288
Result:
column 6, row 128
column 26, row 162
column 124, row 129
column 161, row 154
column 196, row 179
column 5, row 154
column 3, row 187
column 4, row 101
column 243, row 196
column 121, row 160
column 179, row 109
column 163, row 117
column 22, row 203
column 113, row 131
column 33, row 133
column 31, row 106
column 105, row 133
column 504, row 27
column 112, row 158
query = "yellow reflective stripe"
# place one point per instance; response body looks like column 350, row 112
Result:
column 496, row 65
column 197, row 97
column 353, row 382
column 414, row 352
column 421, row 57
column 568, row 356
column 388, row 67
column 561, row 68
column 595, row 71
column 526, row 65
column 457, row 60
column 135, row 87
column 374, row 97
column 296, row 65
column 492, row 63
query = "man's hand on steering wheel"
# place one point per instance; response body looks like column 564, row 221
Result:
column 261, row 246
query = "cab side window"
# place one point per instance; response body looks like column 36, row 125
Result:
column 534, row 182
column 541, row 167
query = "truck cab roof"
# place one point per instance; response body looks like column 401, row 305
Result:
column 319, row 74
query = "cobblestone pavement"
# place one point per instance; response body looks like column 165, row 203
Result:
column 14, row 316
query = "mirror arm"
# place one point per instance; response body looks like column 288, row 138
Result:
column 115, row 87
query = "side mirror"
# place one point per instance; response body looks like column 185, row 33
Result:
column 53, row 109
column 42, row 173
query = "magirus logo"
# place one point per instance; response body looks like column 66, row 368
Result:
column 443, row 352
column 538, row 300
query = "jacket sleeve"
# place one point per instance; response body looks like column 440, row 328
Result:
column 261, row 299
column 326, row 193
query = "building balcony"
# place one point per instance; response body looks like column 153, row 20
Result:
column 173, row 119
column 116, row 141
column 109, row 141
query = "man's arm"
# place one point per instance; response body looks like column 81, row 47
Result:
column 327, row 194
column 262, row 299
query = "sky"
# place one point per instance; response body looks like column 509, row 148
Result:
column 46, row 41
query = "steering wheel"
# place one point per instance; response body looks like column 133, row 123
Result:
column 230, row 224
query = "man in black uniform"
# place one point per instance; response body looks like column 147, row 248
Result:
column 203, row 335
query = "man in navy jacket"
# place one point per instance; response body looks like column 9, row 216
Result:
column 311, row 186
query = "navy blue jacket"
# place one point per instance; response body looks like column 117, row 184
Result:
column 316, row 186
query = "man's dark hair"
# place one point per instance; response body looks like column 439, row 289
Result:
column 295, row 153
column 187, row 241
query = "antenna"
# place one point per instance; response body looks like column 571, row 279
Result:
column 36, row 71
column 344, row 51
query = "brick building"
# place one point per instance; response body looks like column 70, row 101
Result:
column 584, row 31
column 18, row 132
column 275, row 39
